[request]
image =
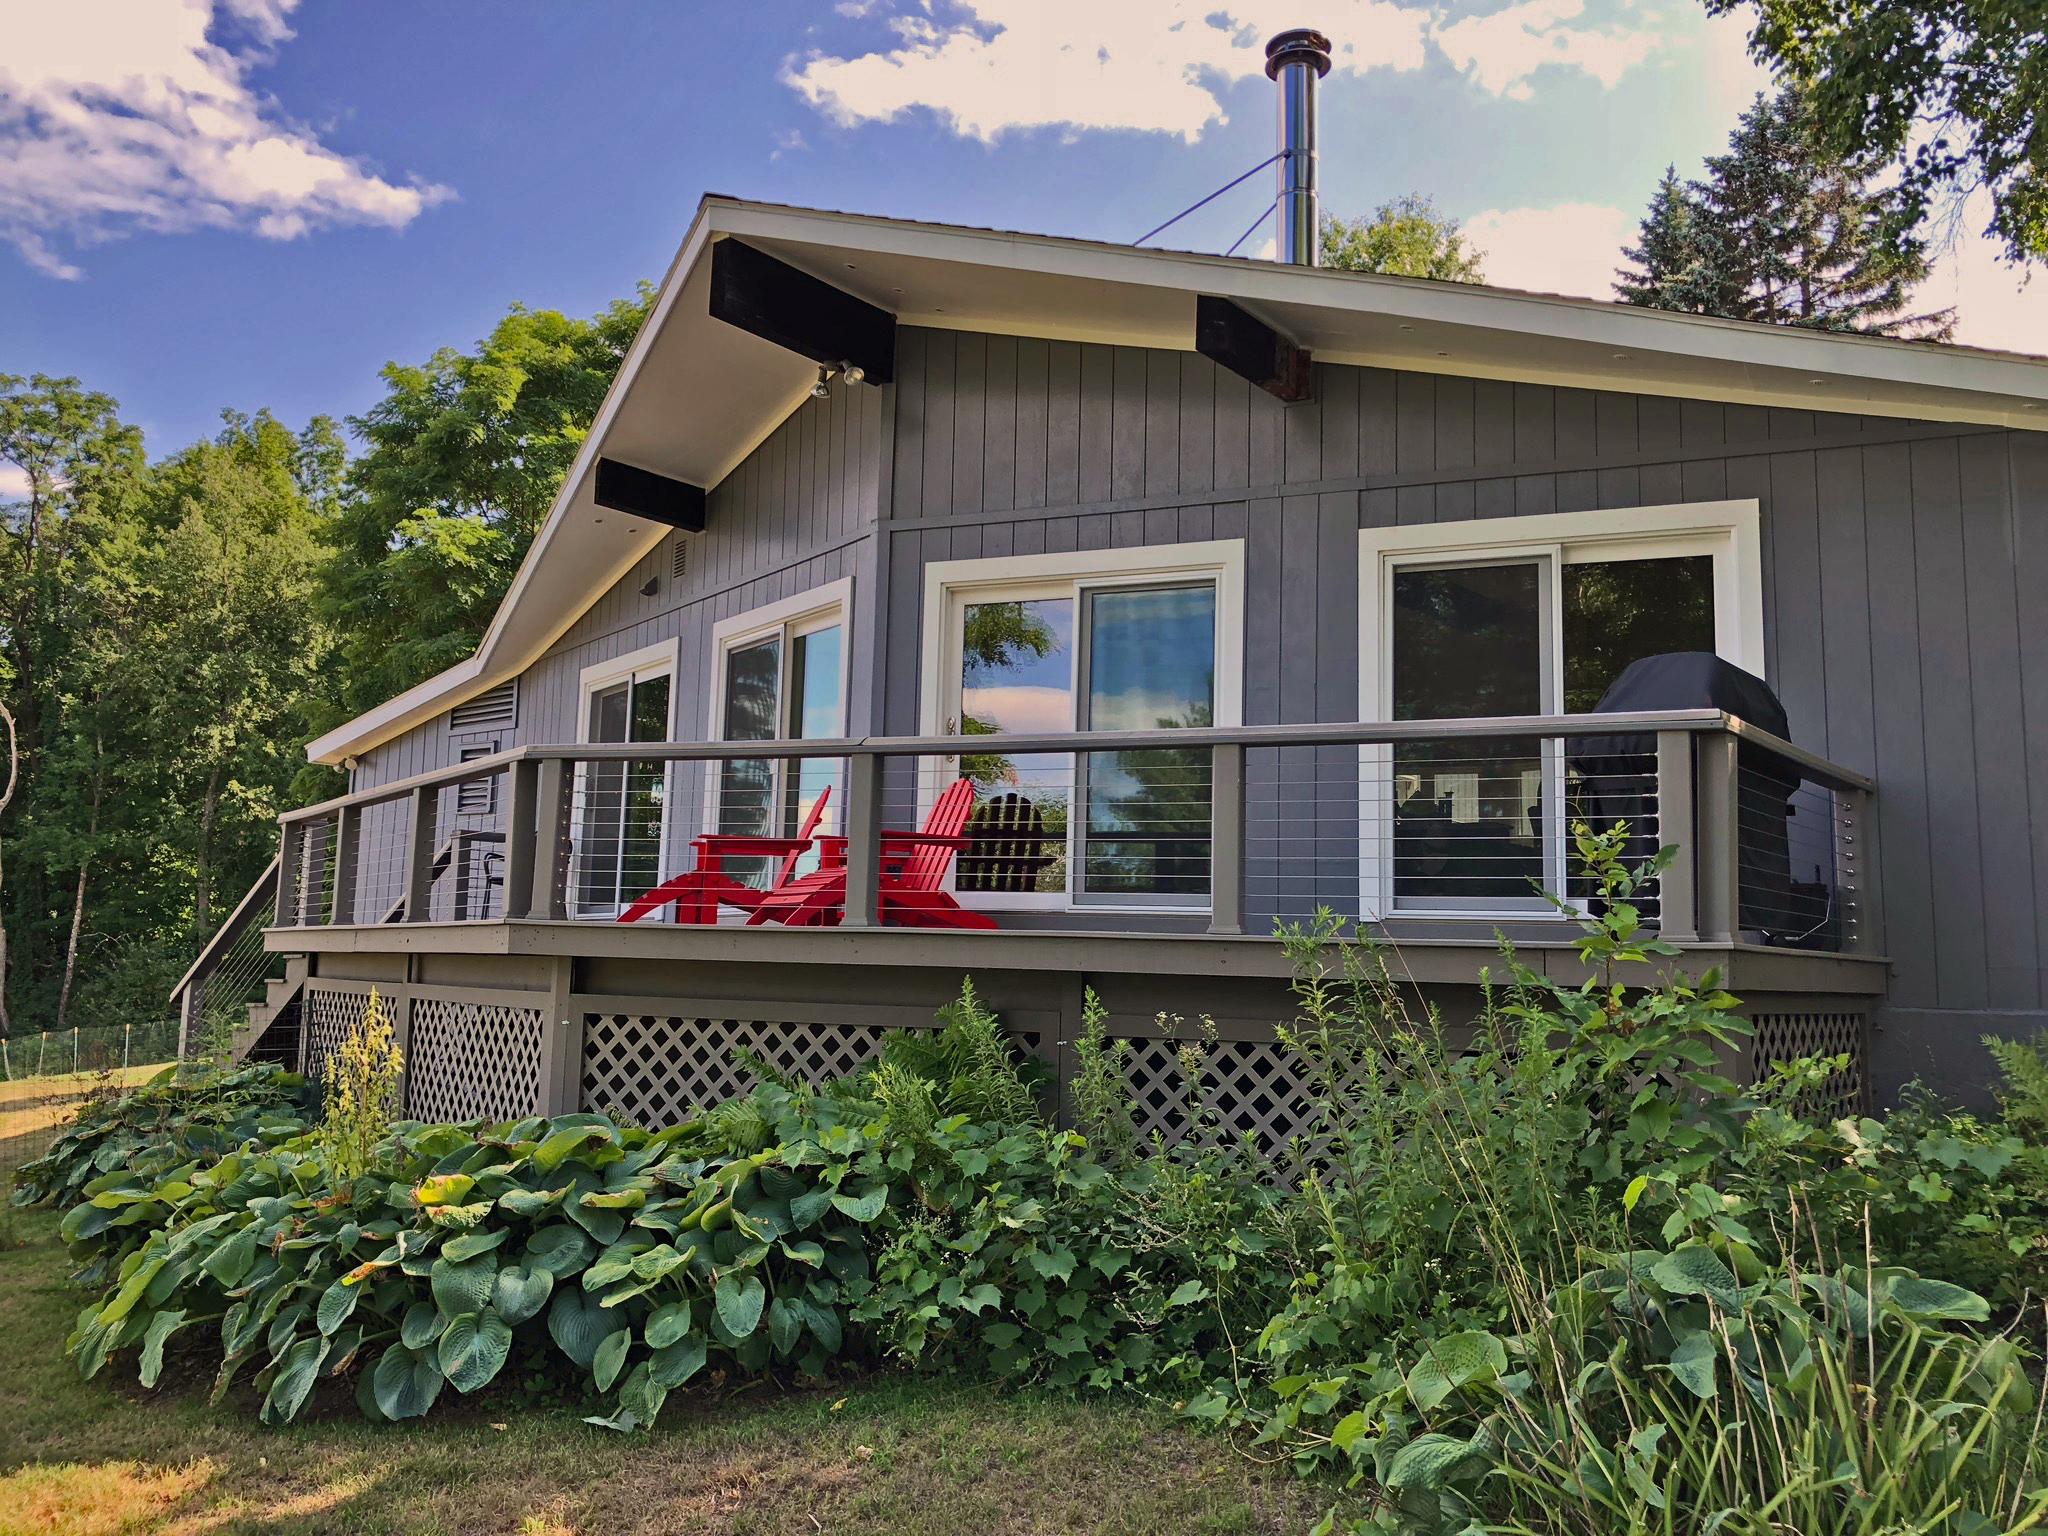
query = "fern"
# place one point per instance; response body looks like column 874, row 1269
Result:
column 970, row 1062
column 2024, row 1097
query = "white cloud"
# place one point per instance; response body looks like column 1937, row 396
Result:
column 1570, row 249
column 1022, row 708
column 1148, row 65
column 1501, row 50
column 125, row 115
column 1157, row 65
column 13, row 483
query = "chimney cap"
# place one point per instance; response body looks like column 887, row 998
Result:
column 1304, row 45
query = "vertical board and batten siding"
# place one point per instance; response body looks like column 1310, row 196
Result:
column 792, row 516
column 1898, row 558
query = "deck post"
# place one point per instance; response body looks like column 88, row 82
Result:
column 419, row 858
column 863, row 841
column 348, row 840
column 1719, row 827
column 1226, row 838
column 561, row 1045
column 521, row 805
column 289, row 849
column 548, row 900
column 1677, row 827
column 1856, row 871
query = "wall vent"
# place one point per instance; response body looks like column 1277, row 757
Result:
column 495, row 708
column 679, row 558
column 479, row 797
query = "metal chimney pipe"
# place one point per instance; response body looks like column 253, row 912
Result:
column 1297, row 60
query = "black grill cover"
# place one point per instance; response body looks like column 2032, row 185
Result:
column 1617, row 774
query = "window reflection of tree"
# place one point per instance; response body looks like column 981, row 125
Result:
column 997, row 638
column 1151, row 838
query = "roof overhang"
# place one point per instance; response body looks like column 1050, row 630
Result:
column 696, row 396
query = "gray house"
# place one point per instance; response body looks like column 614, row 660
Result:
column 1233, row 590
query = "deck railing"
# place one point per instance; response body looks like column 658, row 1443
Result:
column 1450, row 823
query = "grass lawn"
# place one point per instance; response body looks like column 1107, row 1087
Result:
column 914, row 1457
column 32, row 1109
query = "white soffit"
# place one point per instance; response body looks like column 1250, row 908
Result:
column 696, row 396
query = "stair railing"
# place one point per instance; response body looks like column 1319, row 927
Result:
column 232, row 966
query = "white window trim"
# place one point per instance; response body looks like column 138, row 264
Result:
column 648, row 661
column 743, row 629
column 663, row 659
column 1731, row 531
column 782, row 617
column 948, row 584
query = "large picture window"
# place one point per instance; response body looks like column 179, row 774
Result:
column 1528, row 616
column 1125, row 640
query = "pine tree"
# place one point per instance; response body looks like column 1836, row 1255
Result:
column 1783, row 231
column 1678, row 266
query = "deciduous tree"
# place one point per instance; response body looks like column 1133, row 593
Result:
column 1953, row 93
column 1407, row 237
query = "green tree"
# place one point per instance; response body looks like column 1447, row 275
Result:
column 1678, row 263
column 1784, row 231
column 1882, row 73
column 1407, row 237
column 82, row 476
column 464, row 456
column 235, row 665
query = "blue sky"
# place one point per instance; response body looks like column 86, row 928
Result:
column 246, row 203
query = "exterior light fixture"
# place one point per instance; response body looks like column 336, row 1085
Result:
column 853, row 373
column 823, row 387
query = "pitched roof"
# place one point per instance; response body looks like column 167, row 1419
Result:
column 696, row 396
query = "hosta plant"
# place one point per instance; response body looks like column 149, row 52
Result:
column 180, row 1116
column 637, row 1257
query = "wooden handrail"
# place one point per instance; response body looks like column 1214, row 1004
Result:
column 1336, row 733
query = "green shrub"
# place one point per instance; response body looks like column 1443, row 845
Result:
column 181, row 1116
column 1448, row 1292
column 635, row 1257
column 1695, row 1390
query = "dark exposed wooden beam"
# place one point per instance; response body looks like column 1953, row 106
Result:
column 779, row 303
column 1234, row 338
column 642, row 492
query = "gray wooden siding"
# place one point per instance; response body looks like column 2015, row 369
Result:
column 792, row 516
column 1902, row 566
column 796, row 514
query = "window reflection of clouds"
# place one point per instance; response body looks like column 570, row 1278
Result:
column 1151, row 657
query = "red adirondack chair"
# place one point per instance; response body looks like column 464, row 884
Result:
column 699, row 890
column 914, row 866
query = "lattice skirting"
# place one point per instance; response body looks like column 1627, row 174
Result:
column 651, row 1068
column 1249, row 1087
column 1782, row 1037
column 327, row 1016
column 471, row 1062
